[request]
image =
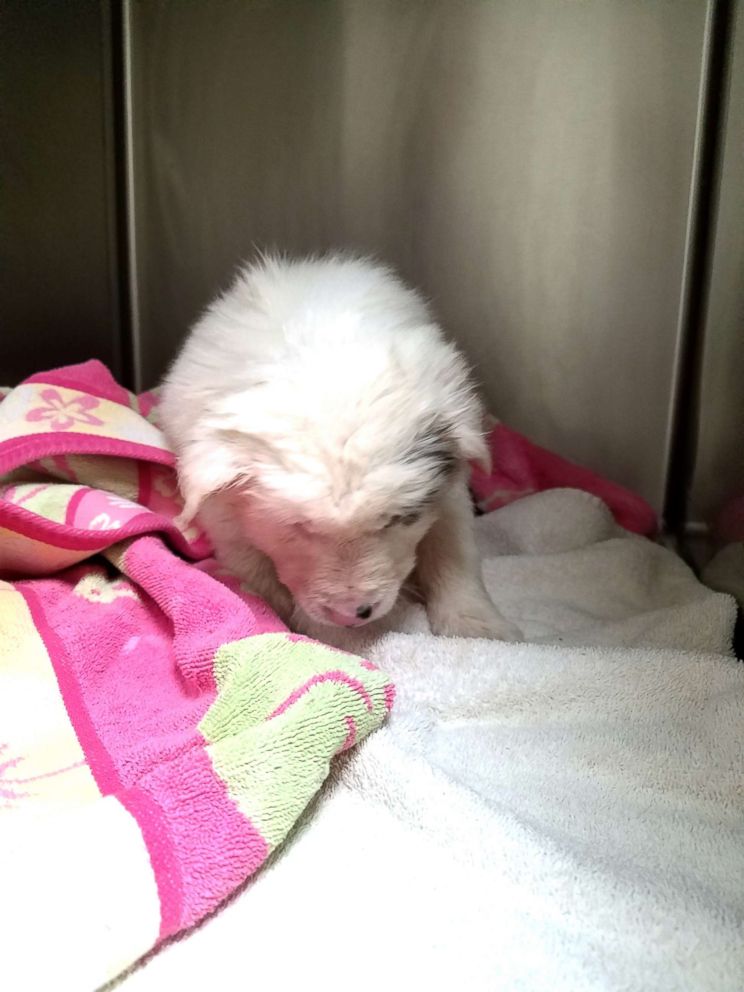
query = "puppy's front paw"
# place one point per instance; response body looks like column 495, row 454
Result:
column 276, row 598
column 470, row 617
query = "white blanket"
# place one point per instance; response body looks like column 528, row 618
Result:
column 564, row 814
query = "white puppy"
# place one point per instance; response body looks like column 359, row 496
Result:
column 323, row 428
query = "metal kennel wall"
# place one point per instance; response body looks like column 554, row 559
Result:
column 564, row 179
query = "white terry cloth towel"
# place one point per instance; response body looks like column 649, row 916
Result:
column 563, row 815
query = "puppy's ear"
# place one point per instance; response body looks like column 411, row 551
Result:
column 473, row 447
column 467, row 427
column 221, row 454
column 206, row 467
column 443, row 444
column 462, row 411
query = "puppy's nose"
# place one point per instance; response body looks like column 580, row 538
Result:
column 352, row 616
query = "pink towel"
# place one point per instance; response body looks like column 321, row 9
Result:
column 161, row 729
column 521, row 468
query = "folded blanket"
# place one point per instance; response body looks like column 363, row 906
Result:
column 563, row 816
column 160, row 730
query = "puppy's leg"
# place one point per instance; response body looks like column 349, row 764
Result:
column 448, row 571
column 254, row 569
column 258, row 575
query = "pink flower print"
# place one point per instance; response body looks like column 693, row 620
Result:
column 164, row 497
column 64, row 414
column 97, row 588
column 9, row 792
column 148, row 406
column 8, row 795
column 107, row 521
column 165, row 482
column 104, row 522
column 122, row 503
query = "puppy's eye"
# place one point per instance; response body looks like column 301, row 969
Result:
column 404, row 519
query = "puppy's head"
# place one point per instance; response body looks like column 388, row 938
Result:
column 337, row 488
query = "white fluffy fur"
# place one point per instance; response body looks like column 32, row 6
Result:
column 322, row 426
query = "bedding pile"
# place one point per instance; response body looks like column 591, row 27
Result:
column 563, row 815
column 160, row 730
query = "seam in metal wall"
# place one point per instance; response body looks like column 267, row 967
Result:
column 684, row 414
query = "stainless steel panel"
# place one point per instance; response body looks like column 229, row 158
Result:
column 719, row 469
column 528, row 163
column 57, row 258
